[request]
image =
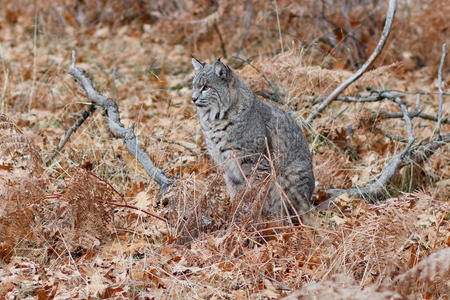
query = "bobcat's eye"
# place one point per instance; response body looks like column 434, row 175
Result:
column 205, row 88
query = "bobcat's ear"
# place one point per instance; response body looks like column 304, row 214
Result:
column 222, row 70
column 198, row 65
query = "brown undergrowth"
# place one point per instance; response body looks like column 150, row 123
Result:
column 29, row 218
column 61, row 234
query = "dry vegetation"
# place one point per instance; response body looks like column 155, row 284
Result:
column 61, row 235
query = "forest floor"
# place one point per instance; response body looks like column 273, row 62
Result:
column 61, row 236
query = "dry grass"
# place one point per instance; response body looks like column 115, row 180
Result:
column 60, row 238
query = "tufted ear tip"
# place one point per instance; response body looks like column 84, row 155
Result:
column 222, row 70
column 198, row 65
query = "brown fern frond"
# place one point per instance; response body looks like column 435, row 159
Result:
column 16, row 150
column 86, row 214
column 386, row 239
column 22, row 183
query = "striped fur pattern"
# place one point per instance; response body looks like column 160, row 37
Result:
column 241, row 132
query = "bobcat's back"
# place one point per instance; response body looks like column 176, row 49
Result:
column 239, row 128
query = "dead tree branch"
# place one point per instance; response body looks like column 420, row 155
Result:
column 412, row 153
column 83, row 117
column 419, row 114
column 380, row 95
column 441, row 100
column 364, row 67
column 116, row 127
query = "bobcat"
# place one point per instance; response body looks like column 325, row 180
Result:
column 239, row 129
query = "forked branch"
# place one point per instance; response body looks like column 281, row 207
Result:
column 116, row 127
column 81, row 119
column 412, row 153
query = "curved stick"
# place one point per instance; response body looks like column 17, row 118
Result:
column 364, row 67
column 117, row 129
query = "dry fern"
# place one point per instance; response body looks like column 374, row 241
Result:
column 84, row 220
column 77, row 220
column 384, row 241
column 22, row 182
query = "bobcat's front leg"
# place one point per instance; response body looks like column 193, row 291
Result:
column 234, row 177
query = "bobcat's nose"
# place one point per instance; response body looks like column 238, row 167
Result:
column 194, row 98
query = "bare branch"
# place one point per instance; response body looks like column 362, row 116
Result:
column 364, row 67
column 410, row 154
column 441, row 100
column 425, row 151
column 83, row 117
column 117, row 128
column 377, row 188
column 380, row 95
column 419, row 114
column 248, row 21
column 272, row 96
column 405, row 113
column 176, row 143
column 139, row 209
column 371, row 98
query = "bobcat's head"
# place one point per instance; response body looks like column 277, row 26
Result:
column 211, row 88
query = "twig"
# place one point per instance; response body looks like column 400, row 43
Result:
column 405, row 113
column 375, row 98
column 419, row 93
column 281, row 286
column 137, row 208
column 270, row 96
column 118, row 129
column 222, row 44
column 248, row 21
column 419, row 114
column 396, row 138
column 336, row 26
column 375, row 189
column 175, row 143
column 107, row 183
column 380, row 95
column 364, row 67
column 85, row 114
column 337, row 115
column 425, row 151
column 417, row 106
column 279, row 27
column 371, row 98
column 441, row 100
